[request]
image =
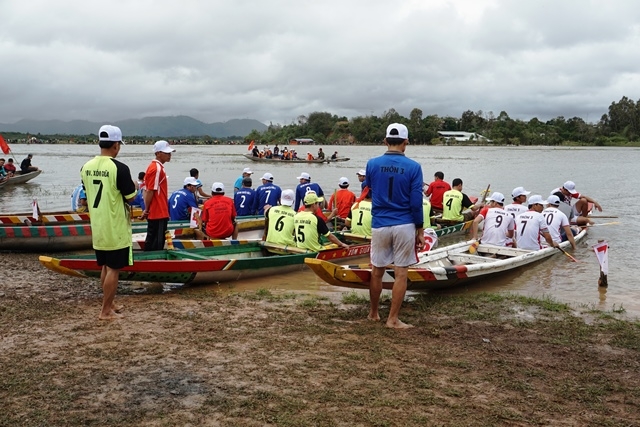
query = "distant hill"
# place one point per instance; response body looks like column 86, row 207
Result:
column 173, row 126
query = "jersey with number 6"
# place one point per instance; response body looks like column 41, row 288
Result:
column 529, row 225
column 108, row 183
column 280, row 229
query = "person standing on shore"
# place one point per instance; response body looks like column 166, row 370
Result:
column 397, row 220
column 156, row 196
column 108, row 183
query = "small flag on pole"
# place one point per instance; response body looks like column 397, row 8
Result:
column 195, row 216
column 35, row 209
column 4, row 146
column 251, row 145
column 602, row 253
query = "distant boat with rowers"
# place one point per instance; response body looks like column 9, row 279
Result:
column 279, row 160
column 21, row 178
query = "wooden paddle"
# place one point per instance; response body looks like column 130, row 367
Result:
column 474, row 246
column 604, row 223
column 567, row 254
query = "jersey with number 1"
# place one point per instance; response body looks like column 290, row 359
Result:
column 529, row 225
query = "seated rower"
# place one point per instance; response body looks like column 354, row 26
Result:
column 278, row 225
column 359, row 218
column 499, row 225
column 79, row 199
column 218, row 215
column 309, row 228
column 454, row 202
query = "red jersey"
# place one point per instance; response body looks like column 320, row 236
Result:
column 436, row 190
column 156, row 179
column 219, row 214
column 345, row 199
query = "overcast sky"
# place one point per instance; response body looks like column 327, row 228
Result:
column 274, row 60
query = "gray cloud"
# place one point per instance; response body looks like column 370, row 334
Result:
column 276, row 60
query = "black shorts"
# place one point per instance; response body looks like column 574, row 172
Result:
column 114, row 259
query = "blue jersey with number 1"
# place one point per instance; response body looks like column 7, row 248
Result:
column 396, row 186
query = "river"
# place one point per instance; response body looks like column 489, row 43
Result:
column 607, row 174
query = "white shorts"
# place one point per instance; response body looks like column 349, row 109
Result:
column 394, row 245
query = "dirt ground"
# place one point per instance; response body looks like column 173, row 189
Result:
column 195, row 357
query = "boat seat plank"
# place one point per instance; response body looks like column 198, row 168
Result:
column 179, row 254
column 504, row 251
column 469, row 259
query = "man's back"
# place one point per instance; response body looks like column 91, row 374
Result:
column 179, row 203
column 281, row 224
column 106, row 181
column 556, row 220
column 528, row 228
column 436, row 190
column 245, row 201
column 396, row 185
column 267, row 194
column 497, row 223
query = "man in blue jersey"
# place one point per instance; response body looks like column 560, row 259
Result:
column 245, row 199
column 182, row 201
column 397, row 219
column 304, row 187
column 268, row 194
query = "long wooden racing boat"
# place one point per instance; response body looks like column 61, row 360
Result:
column 441, row 268
column 21, row 178
column 227, row 262
column 70, row 236
column 278, row 160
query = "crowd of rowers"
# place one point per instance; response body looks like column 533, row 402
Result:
column 287, row 154
column 301, row 217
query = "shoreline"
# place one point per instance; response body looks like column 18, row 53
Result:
column 199, row 357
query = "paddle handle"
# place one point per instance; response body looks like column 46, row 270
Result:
column 567, row 254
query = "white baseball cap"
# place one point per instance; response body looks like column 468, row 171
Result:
column 287, row 198
column 110, row 133
column 536, row 200
column 361, row 172
column 397, row 130
column 496, row 197
column 519, row 191
column 343, row 181
column 162, row 146
column 190, row 181
column 570, row 186
column 267, row 176
column 217, row 187
column 553, row 200
column 305, row 175
column 247, row 170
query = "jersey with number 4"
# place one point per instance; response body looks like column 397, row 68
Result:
column 280, row 228
column 497, row 223
column 529, row 225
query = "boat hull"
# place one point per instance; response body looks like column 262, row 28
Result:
column 264, row 159
column 20, row 178
column 442, row 268
column 228, row 262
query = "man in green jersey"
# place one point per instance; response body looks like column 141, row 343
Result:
column 359, row 219
column 454, row 202
column 278, row 226
column 109, row 186
column 309, row 228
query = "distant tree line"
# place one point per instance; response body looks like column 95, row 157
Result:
column 620, row 126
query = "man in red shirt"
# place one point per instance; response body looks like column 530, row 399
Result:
column 219, row 214
column 342, row 199
column 156, row 196
column 436, row 190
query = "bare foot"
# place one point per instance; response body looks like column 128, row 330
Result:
column 112, row 315
column 398, row 324
column 373, row 317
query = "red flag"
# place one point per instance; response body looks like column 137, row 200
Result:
column 251, row 145
column 4, row 146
